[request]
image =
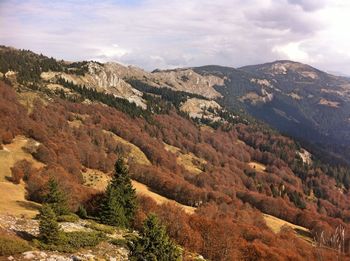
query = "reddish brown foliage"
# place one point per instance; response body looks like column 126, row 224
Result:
column 21, row 169
column 224, row 228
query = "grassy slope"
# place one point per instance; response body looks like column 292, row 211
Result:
column 188, row 160
column 135, row 154
column 12, row 200
column 276, row 224
column 257, row 166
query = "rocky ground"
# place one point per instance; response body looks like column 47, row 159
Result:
column 28, row 229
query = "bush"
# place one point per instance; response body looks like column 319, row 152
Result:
column 83, row 239
column 72, row 241
column 20, row 170
column 100, row 227
column 120, row 242
column 68, row 218
column 81, row 212
column 10, row 245
column 153, row 243
column 60, row 247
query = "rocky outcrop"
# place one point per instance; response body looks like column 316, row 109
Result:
column 103, row 78
column 189, row 81
column 199, row 108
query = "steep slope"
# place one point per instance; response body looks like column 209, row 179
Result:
column 231, row 172
column 297, row 99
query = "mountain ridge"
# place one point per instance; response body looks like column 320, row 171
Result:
column 236, row 173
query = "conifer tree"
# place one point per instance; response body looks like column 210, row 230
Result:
column 154, row 243
column 119, row 203
column 49, row 231
column 56, row 198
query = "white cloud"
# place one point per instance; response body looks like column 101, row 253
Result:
column 111, row 52
column 164, row 34
column 292, row 51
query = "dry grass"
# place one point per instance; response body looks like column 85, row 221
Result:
column 96, row 179
column 276, row 224
column 99, row 180
column 135, row 154
column 12, row 200
column 188, row 160
column 207, row 128
column 75, row 123
column 241, row 142
column 27, row 98
column 144, row 190
column 257, row 166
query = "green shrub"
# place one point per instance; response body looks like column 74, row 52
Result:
column 68, row 218
column 59, row 247
column 81, row 212
column 73, row 241
column 10, row 245
column 153, row 243
column 120, row 242
column 83, row 239
column 100, row 227
column 49, row 230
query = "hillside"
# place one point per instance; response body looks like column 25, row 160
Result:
column 295, row 98
column 237, row 178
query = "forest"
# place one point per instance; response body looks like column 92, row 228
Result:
column 229, row 194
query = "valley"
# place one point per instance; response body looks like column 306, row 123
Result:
column 218, row 180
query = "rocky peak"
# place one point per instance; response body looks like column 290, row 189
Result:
column 190, row 81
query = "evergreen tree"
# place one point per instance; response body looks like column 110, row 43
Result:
column 81, row 212
column 119, row 203
column 154, row 243
column 49, row 231
column 56, row 198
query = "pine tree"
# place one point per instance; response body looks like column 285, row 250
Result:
column 154, row 243
column 56, row 198
column 81, row 212
column 49, row 231
column 119, row 203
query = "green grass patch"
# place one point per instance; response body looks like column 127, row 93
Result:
column 11, row 245
column 100, row 227
column 68, row 218
column 120, row 242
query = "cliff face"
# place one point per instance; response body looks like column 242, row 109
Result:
column 190, row 81
column 104, row 78
column 112, row 78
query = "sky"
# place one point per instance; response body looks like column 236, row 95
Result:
column 182, row 33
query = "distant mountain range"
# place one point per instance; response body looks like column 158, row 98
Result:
column 297, row 99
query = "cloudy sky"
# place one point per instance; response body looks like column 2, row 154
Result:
column 176, row 33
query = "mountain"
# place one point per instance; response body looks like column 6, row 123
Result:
column 225, row 185
column 295, row 98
